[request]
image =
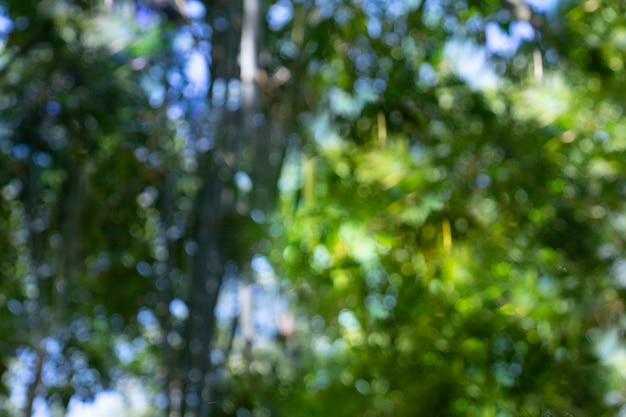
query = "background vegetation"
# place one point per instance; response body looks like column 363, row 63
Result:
column 312, row 208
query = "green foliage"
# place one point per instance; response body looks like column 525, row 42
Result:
column 460, row 258
column 452, row 243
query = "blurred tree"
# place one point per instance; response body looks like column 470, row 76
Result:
column 450, row 211
column 450, row 244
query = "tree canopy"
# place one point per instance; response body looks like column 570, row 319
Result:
column 310, row 208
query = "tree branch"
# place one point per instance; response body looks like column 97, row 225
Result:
column 32, row 388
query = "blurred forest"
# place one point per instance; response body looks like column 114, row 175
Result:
column 312, row 208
